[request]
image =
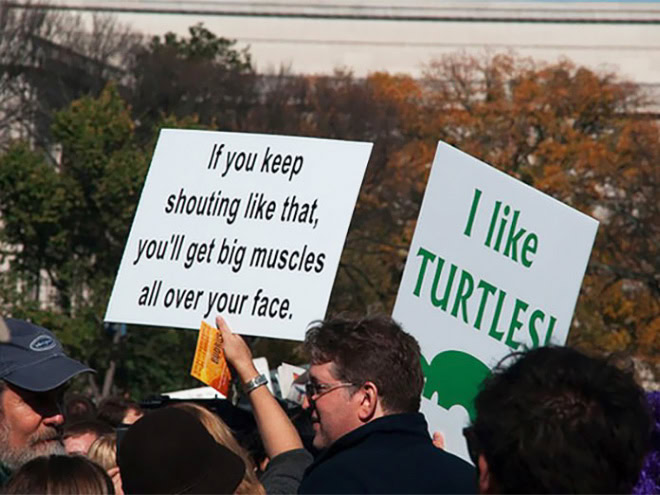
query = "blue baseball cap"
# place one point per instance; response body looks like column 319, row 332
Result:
column 33, row 358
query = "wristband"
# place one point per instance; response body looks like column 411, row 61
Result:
column 256, row 382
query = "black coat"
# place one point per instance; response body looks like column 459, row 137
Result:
column 392, row 454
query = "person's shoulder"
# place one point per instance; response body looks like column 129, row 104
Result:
column 336, row 474
column 458, row 476
column 285, row 471
column 431, row 468
column 391, row 471
column 329, row 478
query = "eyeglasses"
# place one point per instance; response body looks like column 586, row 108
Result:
column 473, row 445
column 315, row 390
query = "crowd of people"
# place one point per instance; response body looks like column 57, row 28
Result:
column 548, row 420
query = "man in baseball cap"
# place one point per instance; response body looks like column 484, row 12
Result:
column 33, row 372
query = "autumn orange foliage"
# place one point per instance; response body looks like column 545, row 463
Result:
column 588, row 139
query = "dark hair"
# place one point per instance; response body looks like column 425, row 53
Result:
column 558, row 421
column 87, row 426
column 170, row 451
column 649, row 478
column 78, row 407
column 3, row 386
column 113, row 409
column 60, row 474
column 373, row 349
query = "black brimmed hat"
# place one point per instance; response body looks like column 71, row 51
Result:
column 33, row 358
column 170, row 451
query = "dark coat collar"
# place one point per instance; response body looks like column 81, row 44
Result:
column 410, row 423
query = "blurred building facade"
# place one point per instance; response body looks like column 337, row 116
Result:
column 318, row 36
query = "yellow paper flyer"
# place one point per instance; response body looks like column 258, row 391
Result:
column 209, row 364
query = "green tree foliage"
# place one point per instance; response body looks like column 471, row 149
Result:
column 204, row 45
column 92, row 193
column 202, row 75
column 69, row 224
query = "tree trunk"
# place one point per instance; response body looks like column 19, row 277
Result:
column 110, row 372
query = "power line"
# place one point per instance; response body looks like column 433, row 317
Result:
column 338, row 16
column 408, row 6
column 425, row 44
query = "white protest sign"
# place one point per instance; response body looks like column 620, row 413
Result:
column 249, row 226
column 287, row 374
column 494, row 266
column 195, row 393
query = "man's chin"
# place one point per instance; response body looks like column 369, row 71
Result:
column 319, row 441
column 15, row 459
column 48, row 447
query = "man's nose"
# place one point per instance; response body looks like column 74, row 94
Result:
column 307, row 404
column 54, row 418
column 52, row 412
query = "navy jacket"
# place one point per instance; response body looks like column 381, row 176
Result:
column 392, row 454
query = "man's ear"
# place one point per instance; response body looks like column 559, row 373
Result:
column 486, row 484
column 369, row 406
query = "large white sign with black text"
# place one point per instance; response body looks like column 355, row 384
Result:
column 248, row 226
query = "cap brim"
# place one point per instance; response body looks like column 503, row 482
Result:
column 46, row 375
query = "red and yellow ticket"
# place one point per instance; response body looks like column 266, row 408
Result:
column 209, row 363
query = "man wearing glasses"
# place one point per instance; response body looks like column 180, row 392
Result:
column 364, row 389
column 33, row 373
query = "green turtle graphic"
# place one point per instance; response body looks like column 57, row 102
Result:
column 455, row 377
